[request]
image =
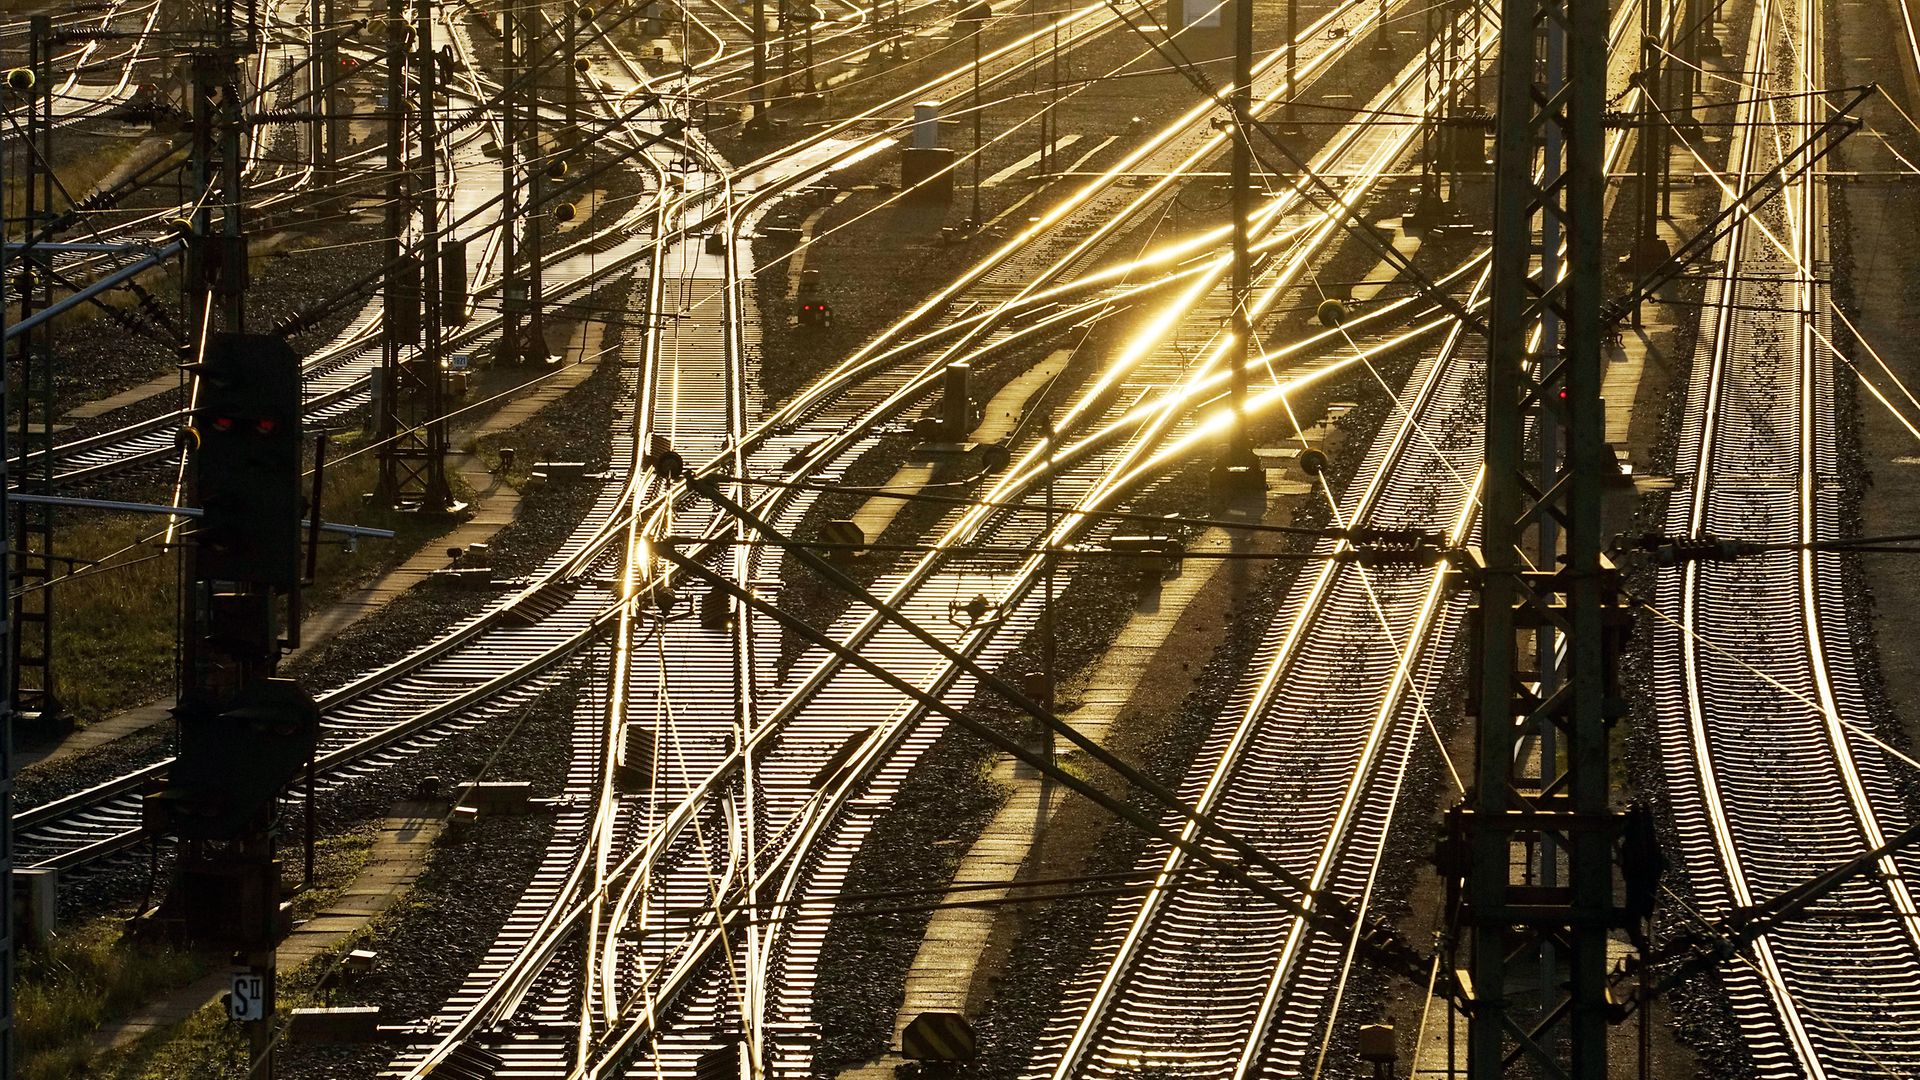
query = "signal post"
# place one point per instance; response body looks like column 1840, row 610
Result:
column 244, row 734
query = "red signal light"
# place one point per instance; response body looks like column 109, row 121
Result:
column 223, row 423
column 265, row 427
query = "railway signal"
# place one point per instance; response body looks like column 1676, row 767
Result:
column 1377, row 1048
column 246, row 465
column 716, row 610
column 243, row 734
column 843, row 538
column 814, row 311
column 233, row 764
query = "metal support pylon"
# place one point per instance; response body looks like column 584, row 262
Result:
column 513, row 289
column 400, row 328
column 1507, row 919
column 1237, row 475
column 33, row 565
column 8, row 269
column 413, row 452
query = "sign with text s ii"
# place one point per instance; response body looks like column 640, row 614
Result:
column 248, row 1000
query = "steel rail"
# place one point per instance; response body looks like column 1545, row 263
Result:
column 877, row 749
column 1763, row 406
column 1412, row 636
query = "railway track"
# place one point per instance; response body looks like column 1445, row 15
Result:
column 1764, row 722
column 816, row 810
column 98, row 831
column 80, row 92
column 1201, row 977
column 860, row 738
column 103, row 820
column 528, row 632
column 709, row 786
column 99, row 822
column 337, row 375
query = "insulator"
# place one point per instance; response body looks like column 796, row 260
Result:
column 20, row 80
column 563, row 213
column 1330, row 312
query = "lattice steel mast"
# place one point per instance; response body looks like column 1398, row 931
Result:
column 1559, row 1025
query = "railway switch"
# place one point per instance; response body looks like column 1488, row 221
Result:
column 633, row 771
column 720, row 1063
column 973, row 614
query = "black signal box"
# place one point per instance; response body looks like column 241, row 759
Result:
column 246, row 461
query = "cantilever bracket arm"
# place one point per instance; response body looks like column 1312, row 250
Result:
column 1708, row 946
column 1743, row 205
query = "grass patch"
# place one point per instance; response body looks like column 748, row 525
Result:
column 113, row 625
column 87, row 977
column 114, row 622
column 93, row 975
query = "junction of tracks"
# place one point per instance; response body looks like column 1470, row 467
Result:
column 1024, row 539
